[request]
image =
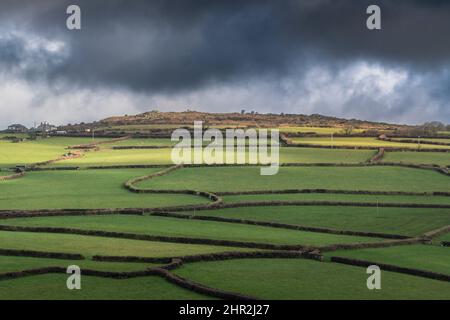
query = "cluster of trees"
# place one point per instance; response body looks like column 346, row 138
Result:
column 432, row 128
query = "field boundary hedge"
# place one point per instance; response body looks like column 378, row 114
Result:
column 279, row 225
column 40, row 254
column 231, row 255
column 393, row 268
column 381, row 244
column 334, row 191
column 437, row 232
column 199, row 288
column 415, row 141
column 19, row 174
column 94, row 144
column 378, row 156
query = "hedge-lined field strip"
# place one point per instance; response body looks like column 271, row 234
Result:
column 439, row 142
column 278, row 225
column 401, row 221
column 19, row 263
column 420, row 256
column 370, row 143
column 163, row 156
column 53, row 287
column 91, row 245
column 308, row 279
column 335, row 191
column 288, row 240
column 297, row 177
column 437, row 158
column 421, row 199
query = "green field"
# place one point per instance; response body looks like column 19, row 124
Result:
column 53, row 287
column 431, row 258
column 318, row 130
column 108, row 156
column 338, row 197
column 342, row 178
column 361, row 142
column 306, row 279
column 11, row 264
column 83, row 189
column 439, row 158
column 188, row 228
column 275, row 278
column 445, row 237
column 28, row 152
column 90, row 246
column 403, row 221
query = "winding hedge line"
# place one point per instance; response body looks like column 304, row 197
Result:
column 40, row 254
column 307, row 254
column 16, row 175
column 393, row 268
column 96, row 143
column 130, row 185
column 140, row 147
column 199, row 288
column 279, row 225
column 437, row 232
column 378, row 156
column 146, row 237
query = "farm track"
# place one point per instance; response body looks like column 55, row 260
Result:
column 278, row 251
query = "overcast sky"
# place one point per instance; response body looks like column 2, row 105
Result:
column 292, row 56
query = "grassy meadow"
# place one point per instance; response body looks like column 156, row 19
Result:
column 276, row 278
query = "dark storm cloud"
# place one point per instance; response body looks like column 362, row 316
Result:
column 171, row 45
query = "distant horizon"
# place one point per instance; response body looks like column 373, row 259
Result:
column 247, row 112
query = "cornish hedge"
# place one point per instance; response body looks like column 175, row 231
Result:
column 393, row 268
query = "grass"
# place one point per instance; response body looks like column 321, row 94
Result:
column 423, row 140
column 318, row 130
column 445, row 237
column 188, row 228
column 307, row 279
column 90, row 246
column 107, row 156
column 361, row 142
column 53, row 287
column 404, row 221
column 439, row 158
column 338, row 197
column 348, row 178
column 28, row 152
column 83, row 189
column 144, row 142
column 11, row 264
column 425, row 257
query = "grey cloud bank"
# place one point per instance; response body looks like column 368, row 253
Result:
column 270, row 56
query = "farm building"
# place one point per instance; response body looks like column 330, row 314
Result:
column 19, row 128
